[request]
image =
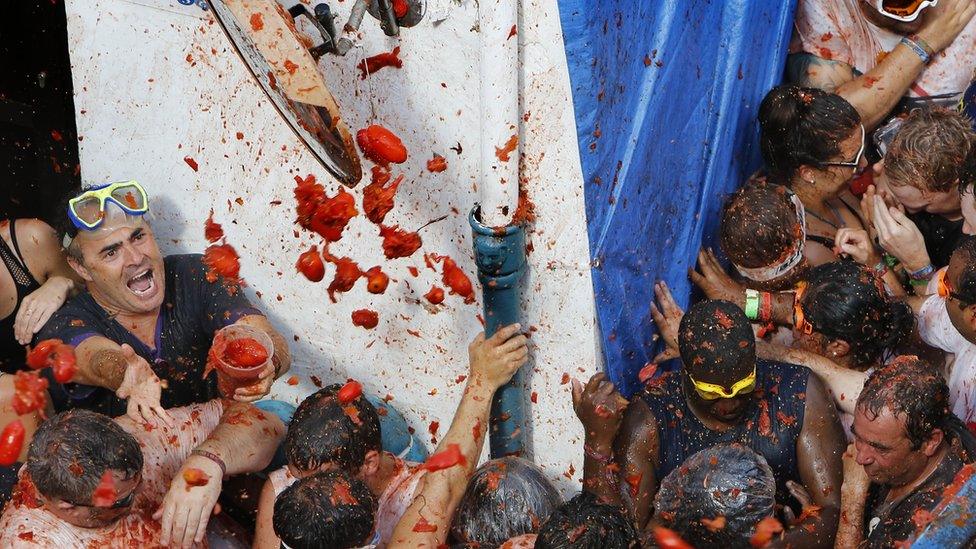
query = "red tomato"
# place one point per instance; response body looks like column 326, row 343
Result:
column 765, row 530
column 365, row 318
column 30, row 392
column 399, row 243
column 105, row 493
column 669, row 539
column 11, row 442
column 381, row 145
column 445, row 459
column 195, row 477
column 350, row 392
column 222, row 260
column 437, row 164
column 310, row 264
column 423, row 526
column 376, row 280
column 212, row 231
column 63, row 363
column 435, row 295
column 37, row 357
column 245, row 353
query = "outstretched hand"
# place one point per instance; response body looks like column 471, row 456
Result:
column 142, row 388
column 667, row 316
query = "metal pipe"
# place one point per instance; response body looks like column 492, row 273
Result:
column 499, row 93
column 500, row 256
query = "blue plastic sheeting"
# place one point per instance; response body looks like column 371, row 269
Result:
column 665, row 94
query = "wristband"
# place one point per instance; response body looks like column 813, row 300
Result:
column 924, row 273
column 918, row 49
column 766, row 307
column 212, row 457
column 925, row 45
column 602, row 458
column 752, row 304
column 881, row 269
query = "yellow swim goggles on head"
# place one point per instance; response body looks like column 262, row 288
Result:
column 711, row 391
column 87, row 210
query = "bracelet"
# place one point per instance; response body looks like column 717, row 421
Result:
column 924, row 273
column 925, row 45
column 752, row 304
column 918, row 49
column 918, row 282
column 212, row 457
column 881, row 269
column 766, row 307
column 602, row 458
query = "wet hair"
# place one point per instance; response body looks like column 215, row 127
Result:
column 912, row 389
column 327, row 510
column 760, row 227
column 966, row 285
column 585, row 523
column 716, row 342
column 846, row 300
column 802, row 126
column 72, row 450
column 505, row 498
column 322, row 432
column 726, row 480
column 933, row 150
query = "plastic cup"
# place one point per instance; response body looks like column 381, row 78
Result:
column 229, row 376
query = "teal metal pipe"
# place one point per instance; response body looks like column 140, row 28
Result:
column 500, row 256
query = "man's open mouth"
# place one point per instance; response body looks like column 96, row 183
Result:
column 142, row 283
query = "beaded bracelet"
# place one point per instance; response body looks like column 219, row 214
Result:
column 212, row 457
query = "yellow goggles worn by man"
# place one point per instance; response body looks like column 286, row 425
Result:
column 711, row 391
column 87, row 210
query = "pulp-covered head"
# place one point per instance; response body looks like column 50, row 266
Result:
column 506, row 498
column 585, row 523
column 727, row 485
column 328, row 510
column 68, row 457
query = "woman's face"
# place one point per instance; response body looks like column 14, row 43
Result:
column 832, row 179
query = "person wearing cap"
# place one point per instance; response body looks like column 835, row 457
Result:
column 879, row 53
column 720, row 393
column 143, row 327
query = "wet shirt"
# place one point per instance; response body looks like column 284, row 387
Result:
column 936, row 329
column 887, row 524
column 25, row 524
column 837, row 30
column 193, row 310
column 392, row 503
column 770, row 427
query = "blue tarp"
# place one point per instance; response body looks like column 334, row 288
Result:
column 665, row 94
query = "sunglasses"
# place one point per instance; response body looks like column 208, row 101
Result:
column 945, row 290
column 87, row 210
column 800, row 322
column 711, row 391
column 857, row 159
column 903, row 10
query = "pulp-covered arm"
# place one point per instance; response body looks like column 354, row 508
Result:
column 492, row 363
column 818, row 449
column 844, row 384
column 876, row 93
column 245, row 440
column 637, row 450
column 600, row 408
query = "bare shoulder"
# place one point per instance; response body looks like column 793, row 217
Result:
column 806, row 69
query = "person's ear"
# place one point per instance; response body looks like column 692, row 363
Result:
column 807, row 173
column 79, row 268
column 931, row 446
column 838, row 348
column 371, row 463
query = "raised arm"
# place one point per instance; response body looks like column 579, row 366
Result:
column 600, row 408
column 492, row 363
column 853, row 495
column 844, row 384
column 104, row 363
column 876, row 93
column 819, row 449
column 244, row 441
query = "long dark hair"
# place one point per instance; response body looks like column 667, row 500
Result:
column 845, row 300
column 802, row 126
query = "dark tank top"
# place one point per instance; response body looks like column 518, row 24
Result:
column 12, row 353
column 770, row 427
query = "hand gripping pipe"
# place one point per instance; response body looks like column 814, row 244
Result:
column 500, row 256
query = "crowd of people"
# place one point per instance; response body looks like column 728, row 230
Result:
column 821, row 393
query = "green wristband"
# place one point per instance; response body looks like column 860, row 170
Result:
column 752, row 304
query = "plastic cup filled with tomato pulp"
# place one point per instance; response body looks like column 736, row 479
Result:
column 240, row 354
